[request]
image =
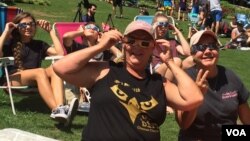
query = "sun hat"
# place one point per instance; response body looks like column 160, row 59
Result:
column 139, row 25
column 196, row 37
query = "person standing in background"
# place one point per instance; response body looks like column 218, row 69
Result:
column 216, row 13
column 90, row 15
column 119, row 4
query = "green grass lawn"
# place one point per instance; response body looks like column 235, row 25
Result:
column 33, row 114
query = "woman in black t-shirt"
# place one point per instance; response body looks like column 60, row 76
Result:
column 128, row 103
column 17, row 41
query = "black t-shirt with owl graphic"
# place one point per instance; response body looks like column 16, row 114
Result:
column 125, row 108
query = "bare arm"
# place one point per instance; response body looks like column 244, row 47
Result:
column 244, row 113
column 57, row 49
column 184, row 48
column 185, row 95
column 5, row 35
column 76, row 68
column 68, row 37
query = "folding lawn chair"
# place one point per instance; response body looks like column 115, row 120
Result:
column 9, row 61
column 243, row 18
column 63, row 27
column 7, row 14
column 193, row 18
column 149, row 19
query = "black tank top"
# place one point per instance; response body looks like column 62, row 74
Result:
column 124, row 108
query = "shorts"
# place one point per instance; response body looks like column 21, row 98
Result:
column 183, row 6
column 216, row 15
column 117, row 3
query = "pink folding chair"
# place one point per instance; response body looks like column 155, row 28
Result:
column 7, row 13
column 63, row 27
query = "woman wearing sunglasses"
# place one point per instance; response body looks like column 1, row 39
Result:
column 17, row 40
column 90, row 34
column 128, row 103
column 225, row 96
column 162, row 27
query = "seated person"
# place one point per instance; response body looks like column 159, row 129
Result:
column 18, row 41
column 161, row 27
column 90, row 34
column 224, row 29
column 238, row 36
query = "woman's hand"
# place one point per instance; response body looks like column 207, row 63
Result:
column 44, row 25
column 82, row 29
column 163, row 47
column 201, row 80
column 110, row 38
column 9, row 27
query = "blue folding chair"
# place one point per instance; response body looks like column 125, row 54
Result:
column 243, row 18
column 147, row 19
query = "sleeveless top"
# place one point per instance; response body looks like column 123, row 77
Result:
column 125, row 108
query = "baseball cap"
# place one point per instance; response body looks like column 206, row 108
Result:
column 139, row 25
column 196, row 37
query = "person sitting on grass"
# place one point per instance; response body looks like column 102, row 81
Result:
column 18, row 40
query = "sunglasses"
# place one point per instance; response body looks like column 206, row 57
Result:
column 132, row 41
column 162, row 24
column 93, row 27
column 200, row 47
column 25, row 25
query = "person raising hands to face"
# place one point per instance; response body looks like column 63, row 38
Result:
column 126, row 94
column 18, row 41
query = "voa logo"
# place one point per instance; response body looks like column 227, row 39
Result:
column 236, row 132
